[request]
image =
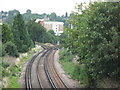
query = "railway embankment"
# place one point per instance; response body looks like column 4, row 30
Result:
column 13, row 68
column 71, row 69
column 64, row 69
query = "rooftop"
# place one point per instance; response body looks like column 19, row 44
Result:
column 53, row 22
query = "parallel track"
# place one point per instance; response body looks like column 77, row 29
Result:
column 50, row 71
column 28, row 81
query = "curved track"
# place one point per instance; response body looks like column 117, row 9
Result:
column 54, row 79
column 31, row 75
column 41, row 73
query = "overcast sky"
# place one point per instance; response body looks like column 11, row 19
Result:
column 40, row 6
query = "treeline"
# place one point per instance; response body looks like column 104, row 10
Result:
column 19, row 37
column 9, row 16
column 53, row 16
column 94, row 37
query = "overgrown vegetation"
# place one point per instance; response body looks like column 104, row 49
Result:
column 95, row 37
column 20, row 37
column 65, row 60
column 11, row 49
column 23, row 36
column 39, row 34
column 76, row 71
column 20, row 33
column 13, row 71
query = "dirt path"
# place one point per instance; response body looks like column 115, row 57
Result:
column 69, row 82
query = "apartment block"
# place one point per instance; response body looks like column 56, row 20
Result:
column 57, row 27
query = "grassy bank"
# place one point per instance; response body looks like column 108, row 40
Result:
column 12, row 72
column 66, row 62
column 75, row 70
column 79, row 72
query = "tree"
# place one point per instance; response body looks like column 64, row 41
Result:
column 28, row 11
column 52, row 32
column 39, row 34
column 7, row 34
column 53, row 16
column 53, row 37
column 36, row 31
column 21, row 36
column 11, row 15
column 11, row 49
column 95, row 38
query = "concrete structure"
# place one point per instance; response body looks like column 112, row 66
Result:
column 57, row 27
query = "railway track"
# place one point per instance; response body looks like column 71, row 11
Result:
column 28, row 77
column 54, row 79
column 40, row 72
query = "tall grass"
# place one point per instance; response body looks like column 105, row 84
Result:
column 76, row 71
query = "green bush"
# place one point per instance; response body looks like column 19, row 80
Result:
column 3, row 53
column 95, row 39
column 2, row 49
column 25, row 48
column 5, row 72
column 81, row 73
column 11, row 49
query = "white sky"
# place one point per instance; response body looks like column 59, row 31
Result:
column 40, row 6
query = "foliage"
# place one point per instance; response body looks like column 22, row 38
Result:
column 66, row 63
column 53, row 37
column 11, row 49
column 12, row 73
column 13, row 82
column 94, row 38
column 76, row 71
column 2, row 50
column 31, row 16
column 5, row 72
column 81, row 73
column 7, row 34
column 21, row 35
column 39, row 34
column 36, row 31
column 11, row 15
column 62, row 38
column 51, row 32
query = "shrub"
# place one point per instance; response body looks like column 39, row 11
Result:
column 81, row 73
column 3, row 53
column 2, row 49
column 11, row 49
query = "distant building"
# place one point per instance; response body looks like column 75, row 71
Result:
column 46, row 18
column 57, row 27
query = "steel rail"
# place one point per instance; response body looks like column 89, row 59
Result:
column 28, row 83
column 66, row 86
column 37, row 69
column 47, row 71
column 56, row 79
